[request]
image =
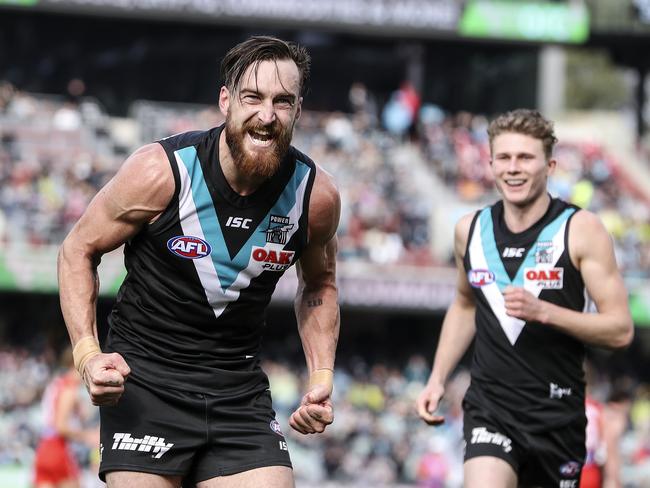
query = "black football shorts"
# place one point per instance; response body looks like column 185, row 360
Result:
column 196, row 436
column 553, row 458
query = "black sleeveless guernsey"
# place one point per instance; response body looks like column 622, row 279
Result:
column 528, row 375
column 191, row 311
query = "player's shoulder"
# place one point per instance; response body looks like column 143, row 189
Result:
column 464, row 224
column 190, row 138
column 584, row 221
column 147, row 162
column 324, row 191
column 462, row 230
column 325, row 185
column 588, row 235
column 324, row 202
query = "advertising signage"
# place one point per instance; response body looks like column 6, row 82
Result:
column 526, row 21
column 415, row 17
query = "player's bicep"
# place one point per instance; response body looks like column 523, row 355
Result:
column 101, row 229
column 597, row 264
column 136, row 195
column 317, row 265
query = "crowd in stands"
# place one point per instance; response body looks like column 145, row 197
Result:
column 56, row 153
column 376, row 439
column 456, row 147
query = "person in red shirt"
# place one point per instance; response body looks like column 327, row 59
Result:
column 55, row 465
column 592, row 471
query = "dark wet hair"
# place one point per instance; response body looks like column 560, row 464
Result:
column 262, row 48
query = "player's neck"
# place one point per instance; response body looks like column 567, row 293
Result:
column 241, row 183
column 520, row 218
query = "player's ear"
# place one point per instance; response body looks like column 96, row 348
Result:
column 552, row 164
column 224, row 100
column 299, row 109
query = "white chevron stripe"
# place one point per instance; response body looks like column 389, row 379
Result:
column 189, row 219
column 511, row 326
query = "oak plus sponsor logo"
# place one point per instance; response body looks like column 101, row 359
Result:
column 271, row 259
column 513, row 252
column 156, row 445
column 189, row 247
column 480, row 277
column 544, row 278
column 480, row 435
column 557, row 392
column 279, row 226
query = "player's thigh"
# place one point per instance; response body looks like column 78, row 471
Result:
column 483, row 471
column 132, row 479
column 268, row 477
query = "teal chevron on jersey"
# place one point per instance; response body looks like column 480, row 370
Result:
column 287, row 199
column 228, row 269
column 492, row 257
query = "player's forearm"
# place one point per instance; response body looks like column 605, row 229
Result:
column 317, row 312
column 78, row 288
column 458, row 330
column 614, row 329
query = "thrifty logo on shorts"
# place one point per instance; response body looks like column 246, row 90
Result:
column 156, row 445
column 480, row 435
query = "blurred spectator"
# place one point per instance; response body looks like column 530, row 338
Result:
column 64, row 399
column 376, row 439
column 51, row 167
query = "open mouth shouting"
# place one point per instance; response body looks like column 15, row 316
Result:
column 260, row 137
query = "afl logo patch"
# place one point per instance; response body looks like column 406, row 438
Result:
column 189, row 247
column 570, row 469
column 275, row 427
column 480, row 277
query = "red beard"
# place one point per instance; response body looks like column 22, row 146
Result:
column 264, row 165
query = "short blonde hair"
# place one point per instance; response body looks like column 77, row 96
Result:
column 527, row 122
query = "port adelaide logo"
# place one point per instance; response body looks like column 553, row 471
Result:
column 189, row 247
column 272, row 256
column 278, row 228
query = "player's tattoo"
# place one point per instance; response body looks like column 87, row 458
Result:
column 315, row 302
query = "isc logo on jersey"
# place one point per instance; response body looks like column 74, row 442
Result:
column 546, row 279
column 480, row 277
column 272, row 260
column 189, row 247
